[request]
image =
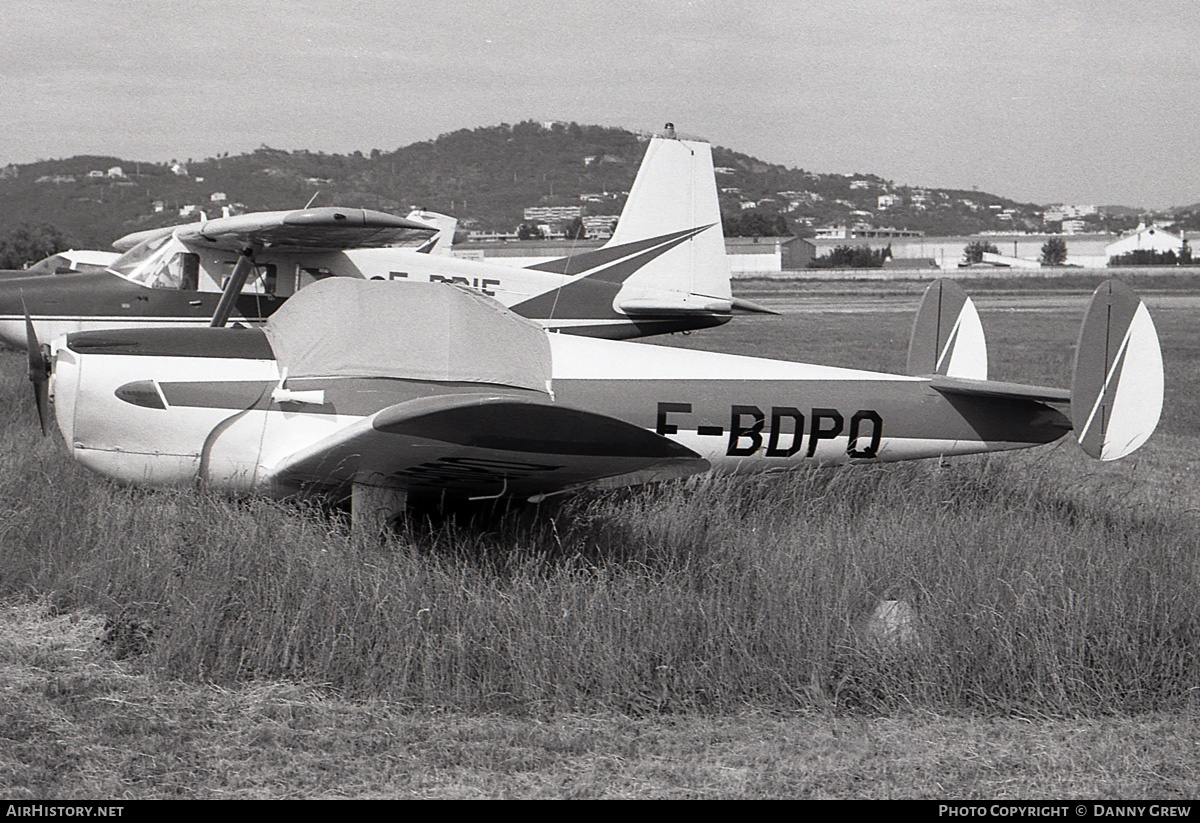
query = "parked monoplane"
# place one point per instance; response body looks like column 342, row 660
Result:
column 333, row 395
column 664, row 269
column 71, row 261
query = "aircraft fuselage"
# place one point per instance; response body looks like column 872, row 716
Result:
column 104, row 300
column 155, row 407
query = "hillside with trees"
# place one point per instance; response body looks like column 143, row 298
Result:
column 485, row 176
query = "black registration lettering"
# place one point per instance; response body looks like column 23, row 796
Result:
column 454, row 281
column 482, row 285
column 872, row 447
column 778, row 415
column 819, row 431
column 664, row 409
column 738, row 432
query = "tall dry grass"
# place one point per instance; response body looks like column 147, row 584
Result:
column 1038, row 585
column 710, row 594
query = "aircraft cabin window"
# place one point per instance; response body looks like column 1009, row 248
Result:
column 270, row 278
column 306, row 275
column 141, row 263
column 181, row 272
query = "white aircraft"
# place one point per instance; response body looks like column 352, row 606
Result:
column 334, row 396
column 664, row 269
column 66, row 262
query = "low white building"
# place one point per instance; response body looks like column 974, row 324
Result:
column 748, row 256
column 600, row 225
column 1146, row 238
column 554, row 214
column 947, row 252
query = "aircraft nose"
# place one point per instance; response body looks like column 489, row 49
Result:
column 64, row 388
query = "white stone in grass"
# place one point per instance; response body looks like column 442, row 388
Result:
column 894, row 623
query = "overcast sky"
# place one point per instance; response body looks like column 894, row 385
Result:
column 1076, row 101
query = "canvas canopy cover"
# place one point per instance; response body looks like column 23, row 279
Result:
column 343, row 327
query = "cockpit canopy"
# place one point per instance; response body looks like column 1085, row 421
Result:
column 150, row 263
column 165, row 262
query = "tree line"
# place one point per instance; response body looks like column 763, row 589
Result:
column 28, row 244
column 852, row 257
column 1054, row 252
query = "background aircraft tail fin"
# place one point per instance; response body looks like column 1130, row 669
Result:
column 1117, row 388
column 443, row 241
column 947, row 337
column 674, row 201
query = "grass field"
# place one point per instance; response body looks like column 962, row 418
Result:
column 706, row 638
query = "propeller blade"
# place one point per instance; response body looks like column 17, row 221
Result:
column 41, row 398
column 39, row 372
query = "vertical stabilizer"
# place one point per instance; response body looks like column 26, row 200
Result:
column 674, row 200
column 442, row 242
column 1117, row 389
column 947, row 337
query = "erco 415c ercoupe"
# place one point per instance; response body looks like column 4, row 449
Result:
column 334, row 396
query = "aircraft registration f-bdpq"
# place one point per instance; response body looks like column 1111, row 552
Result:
column 333, row 396
column 664, row 269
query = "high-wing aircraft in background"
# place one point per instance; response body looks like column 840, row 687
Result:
column 664, row 269
column 333, row 395
column 66, row 262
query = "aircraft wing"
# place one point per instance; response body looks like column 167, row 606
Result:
column 321, row 229
column 128, row 241
column 482, row 445
column 303, row 230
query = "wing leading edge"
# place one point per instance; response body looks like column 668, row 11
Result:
column 480, row 445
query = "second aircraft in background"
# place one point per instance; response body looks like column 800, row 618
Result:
column 664, row 269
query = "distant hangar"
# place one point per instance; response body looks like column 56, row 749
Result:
column 762, row 256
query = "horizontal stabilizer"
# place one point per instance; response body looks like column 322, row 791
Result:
column 659, row 303
column 485, row 444
column 997, row 388
column 947, row 337
column 740, row 304
column 1117, row 389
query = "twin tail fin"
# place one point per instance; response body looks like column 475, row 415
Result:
column 1117, row 388
column 1116, row 395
